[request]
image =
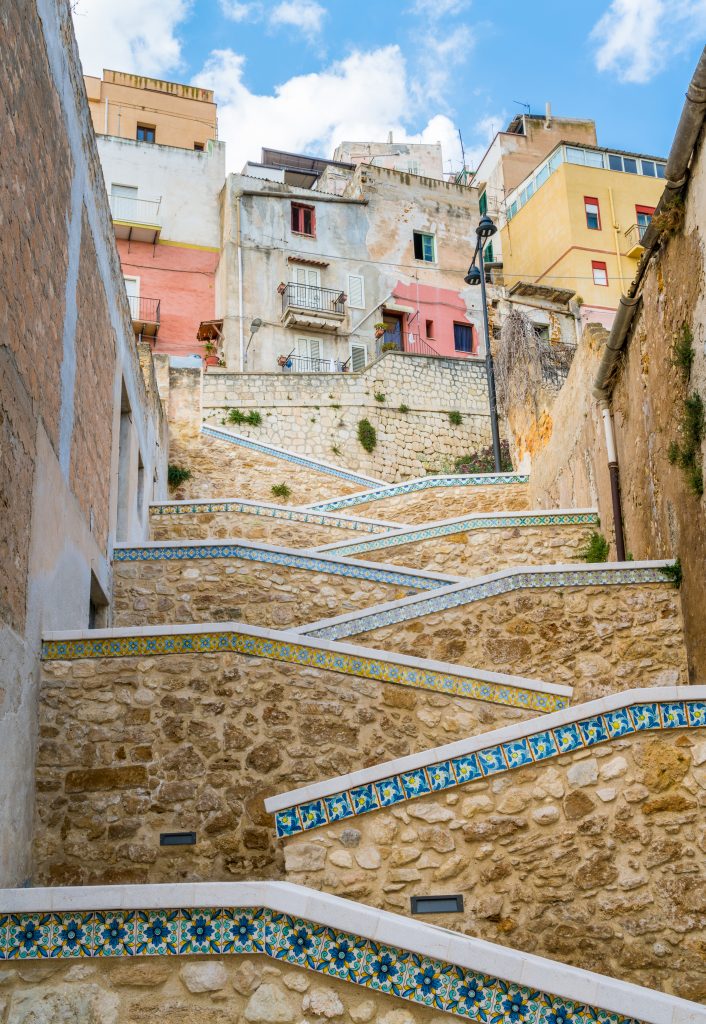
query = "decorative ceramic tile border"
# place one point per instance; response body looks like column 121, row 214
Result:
column 527, row 578
column 336, row 938
column 299, row 460
column 494, row 753
column 187, row 551
column 285, row 512
column 287, row 646
column 464, row 524
column 422, row 483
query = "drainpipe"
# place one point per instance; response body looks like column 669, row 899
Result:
column 241, row 328
column 614, row 479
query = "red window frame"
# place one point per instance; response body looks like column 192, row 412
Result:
column 594, row 202
column 649, row 210
column 474, row 339
column 300, row 213
column 599, row 265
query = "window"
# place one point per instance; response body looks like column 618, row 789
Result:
column 303, row 219
column 541, row 332
column 424, row 247
column 356, row 291
column 660, row 170
column 488, row 255
column 430, row 328
column 463, row 338
column 483, row 204
column 413, row 168
column 593, row 213
column 600, row 273
column 146, row 133
column 644, row 215
column 648, row 168
column 358, row 357
column 587, row 157
column 615, row 162
column 199, row 147
column 629, row 165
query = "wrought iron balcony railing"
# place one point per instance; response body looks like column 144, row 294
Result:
column 311, row 297
column 144, row 310
column 306, row 364
column 135, row 211
column 634, row 234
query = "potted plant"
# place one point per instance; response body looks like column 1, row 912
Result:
column 211, row 355
column 380, row 329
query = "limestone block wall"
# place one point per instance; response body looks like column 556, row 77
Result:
column 596, row 859
column 598, row 639
column 207, row 990
column 478, row 551
column 317, row 413
column 269, row 530
column 443, row 502
column 134, row 746
column 237, row 589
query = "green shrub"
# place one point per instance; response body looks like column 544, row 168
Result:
column 455, row 418
column 252, row 418
column 673, row 572
column 483, row 462
column 683, row 352
column 378, row 396
column 367, row 435
column 280, row 490
column 176, row 475
column 389, row 346
column 688, row 453
column 335, row 449
column 595, row 550
column 403, row 408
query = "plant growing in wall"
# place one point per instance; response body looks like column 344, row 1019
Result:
column 280, row 490
column 673, row 572
column 176, row 475
column 378, row 396
column 403, row 408
column 482, row 461
column 682, row 351
column 595, row 549
column 455, row 418
column 335, row 449
column 687, row 453
column 367, row 435
column 251, row 419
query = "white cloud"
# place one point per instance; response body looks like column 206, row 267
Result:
column 305, row 15
column 236, row 11
column 130, row 35
column 438, row 60
column 637, row 38
column 437, row 9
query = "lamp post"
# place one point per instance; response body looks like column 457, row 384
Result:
column 484, row 231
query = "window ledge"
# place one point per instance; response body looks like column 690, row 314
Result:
column 303, row 234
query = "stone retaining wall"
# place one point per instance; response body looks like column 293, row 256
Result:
column 134, row 746
column 596, row 859
column 282, row 532
column 599, row 639
column 237, row 589
column 317, row 413
column 443, row 502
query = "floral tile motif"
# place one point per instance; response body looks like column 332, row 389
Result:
column 470, row 994
column 29, row 936
column 201, row 931
column 492, row 761
column 364, row 798
column 645, row 716
column 427, row 981
column 287, row 822
column 618, row 723
column 696, row 711
column 514, row 1004
column 593, row 730
column 157, row 932
column 4, row 924
column 266, row 511
column 673, row 715
column 441, row 776
column 517, row 753
column 338, row 807
column 342, row 956
column 243, row 930
column 467, row 480
column 466, row 769
column 72, row 935
column 415, row 783
column 568, row 738
column 114, row 933
column 384, row 968
column 390, row 791
column 296, row 941
column 313, row 814
column 543, row 745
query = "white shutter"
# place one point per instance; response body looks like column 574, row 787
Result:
column 314, row 348
column 356, row 291
column 359, row 357
column 312, row 278
column 300, row 275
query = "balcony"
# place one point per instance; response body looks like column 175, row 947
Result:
column 136, row 220
column 634, row 235
column 145, row 315
column 307, row 364
column 306, row 305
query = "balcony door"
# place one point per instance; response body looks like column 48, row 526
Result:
column 307, row 290
column 132, row 287
column 122, row 201
column 310, row 356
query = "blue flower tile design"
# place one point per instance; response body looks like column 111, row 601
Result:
column 517, row 753
column 243, row 931
column 342, row 956
column 441, row 776
column 492, row 760
column 562, row 1011
column 514, row 1004
column 287, row 822
column 696, row 711
column 312, row 814
column 4, row 924
column 200, row 931
column 593, row 730
column 72, row 935
column 543, row 745
column 114, row 933
column 338, row 807
column 426, row 981
column 384, row 968
column 416, row 783
column 299, row 942
column 618, row 723
column 470, row 994
column 673, row 715
column 364, row 798
column 645, row 716
column 568, row 737
column 390, row 791
column 157, row 932
column 466, row 768
column 29, row 936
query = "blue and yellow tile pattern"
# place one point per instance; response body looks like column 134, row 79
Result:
column 393, row 490
column 492, row 760
column 291, row 515
column 295, row 942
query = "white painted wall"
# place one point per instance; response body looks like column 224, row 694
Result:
column 187, row 181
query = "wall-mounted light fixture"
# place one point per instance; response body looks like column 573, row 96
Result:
column 177, row 839
column 437, row 904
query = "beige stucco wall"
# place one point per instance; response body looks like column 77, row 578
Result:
column 131, row 747
column 596, row 639
column 595, row 859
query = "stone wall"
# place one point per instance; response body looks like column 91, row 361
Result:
column 237, row 589
column 193, row 990
column 266, row 529
column 317, row 413
column 131, row 747
column 475, row 552
column 598, row 639
column 443, row 502
column 596, row 860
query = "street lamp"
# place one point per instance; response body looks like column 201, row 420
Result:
column 476, row 276
column 255, row 326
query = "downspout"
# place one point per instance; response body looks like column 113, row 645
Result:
column 241, row 328
column 688, row 129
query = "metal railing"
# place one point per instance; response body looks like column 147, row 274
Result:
column 555, row 359
column 136, row 211
column 406, row 342
column 309, row 296
column 144, row 310
column 635, row 233
column 306, row 364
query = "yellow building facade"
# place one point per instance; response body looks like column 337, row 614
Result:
column 577, row 220
column 151, row 110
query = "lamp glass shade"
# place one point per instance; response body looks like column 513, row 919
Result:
column 473, row 275
column 485, row 228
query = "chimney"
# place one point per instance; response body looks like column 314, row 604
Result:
column 389, row 138
column 548, row 115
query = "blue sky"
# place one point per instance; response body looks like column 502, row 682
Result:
column 305, row 74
